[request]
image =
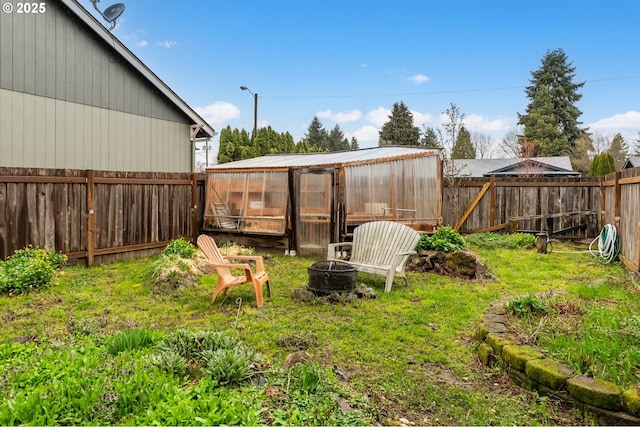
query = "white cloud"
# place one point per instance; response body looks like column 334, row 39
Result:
column 379, row 116
column 418, row 79
column 367, row 136
column 478, row 123
column 167, row 43
column 628, row 120
column 142, row 43
column 345, row 116
column 420, row 119
column 219, row 112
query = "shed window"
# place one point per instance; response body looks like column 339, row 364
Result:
column 253, row 201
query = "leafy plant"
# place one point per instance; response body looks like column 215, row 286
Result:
column 171, row 362
column 180, row 247
column 527, row 305
column 28, row 269
column 228, row 366
column 444, row 239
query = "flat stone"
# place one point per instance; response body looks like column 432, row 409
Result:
column 548, row 372
column 499, row 340
column 595, row 392
column 517, row 356
column 631, row 400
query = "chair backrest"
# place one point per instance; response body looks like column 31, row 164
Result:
column 208, row 246
column 377, row 242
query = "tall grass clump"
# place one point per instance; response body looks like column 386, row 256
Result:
column 501, row 241
column 29, row 269
column 130, row 339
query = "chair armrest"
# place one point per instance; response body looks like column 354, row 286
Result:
column 242, row 266
column 258, row 260
column 407, row 253
column 331, row 249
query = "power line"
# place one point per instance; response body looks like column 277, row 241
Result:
column 438, row 92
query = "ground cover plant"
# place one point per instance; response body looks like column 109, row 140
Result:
column 104, row 346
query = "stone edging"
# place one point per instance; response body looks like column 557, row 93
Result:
column 531, row 369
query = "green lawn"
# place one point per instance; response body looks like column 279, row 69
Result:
column 409, row 354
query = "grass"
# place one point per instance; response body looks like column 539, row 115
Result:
column 408, row 354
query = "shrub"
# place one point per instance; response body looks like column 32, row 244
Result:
column 444, row 239
column 228, row 366
column 180, row 247
column 29, row 268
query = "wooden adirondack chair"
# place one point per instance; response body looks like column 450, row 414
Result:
column 379, row 247
column 226, row 279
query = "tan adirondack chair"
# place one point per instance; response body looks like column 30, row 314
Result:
column 379, row 247
column 226, row 279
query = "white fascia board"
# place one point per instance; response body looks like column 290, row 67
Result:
column 113, row 42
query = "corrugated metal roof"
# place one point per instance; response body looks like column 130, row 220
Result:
column 319, row 159
column 484, row 167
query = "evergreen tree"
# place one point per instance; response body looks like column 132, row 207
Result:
column 430, row 138
column 354, row 144
column 463, row 148
column 399, row 130
column 234, row 145
column 541, row 127
column 556, row 76
column 317, row 135
column 619, row 150
column 602, row 164
column 337, row 141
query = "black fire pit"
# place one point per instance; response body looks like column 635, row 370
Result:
column 332, row 276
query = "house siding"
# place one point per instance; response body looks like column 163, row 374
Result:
column 68, row 100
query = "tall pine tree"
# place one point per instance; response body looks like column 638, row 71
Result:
column 463, row 147
column 399, row 130
column 551, row 119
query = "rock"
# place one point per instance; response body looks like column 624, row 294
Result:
column 303, row 294
column 344, row 405
column 595, row 392
column 631, row 400
column 548, row 372
column 517, row 356
column 341, row 375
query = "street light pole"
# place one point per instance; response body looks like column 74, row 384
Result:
column 255, row 111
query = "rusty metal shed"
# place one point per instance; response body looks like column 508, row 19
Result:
column 300, row 203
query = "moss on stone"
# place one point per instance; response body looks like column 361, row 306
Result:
column 497, row 341
column 485, row 354
column 517, row 356
column 631, row 400
column 482, row 331
column 548, row 372
column 595, row 392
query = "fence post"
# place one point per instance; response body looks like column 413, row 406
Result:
column 492, row 200
column 91, row 219
column 193, row 229
column 617, row 197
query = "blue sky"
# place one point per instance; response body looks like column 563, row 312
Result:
column 349, row 61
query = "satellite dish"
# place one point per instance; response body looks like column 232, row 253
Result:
column 113, row 12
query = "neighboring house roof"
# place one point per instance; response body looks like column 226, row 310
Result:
column 200, row 127
column 320, row 159
column 632, row 162
column 534, row 166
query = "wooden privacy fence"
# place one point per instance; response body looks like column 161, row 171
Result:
column 576, row 207
column 620, row 206
column 556, row 205
column 97, row 216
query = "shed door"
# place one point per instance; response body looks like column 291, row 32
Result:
column 316, row 219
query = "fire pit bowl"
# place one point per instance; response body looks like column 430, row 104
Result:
column 332, row 276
